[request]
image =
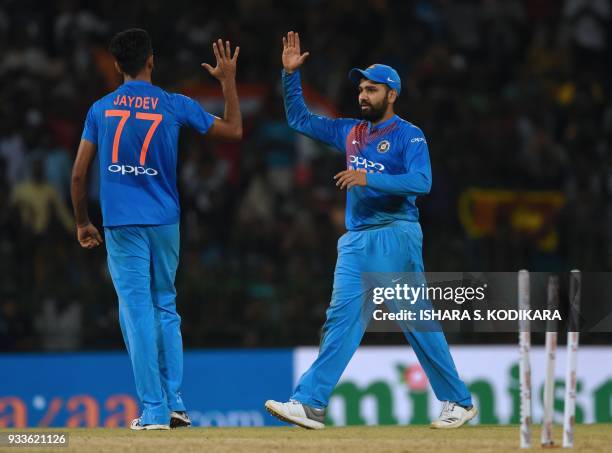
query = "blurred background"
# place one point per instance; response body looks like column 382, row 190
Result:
column 513, row 96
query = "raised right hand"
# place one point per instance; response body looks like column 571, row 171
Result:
column 292, row 59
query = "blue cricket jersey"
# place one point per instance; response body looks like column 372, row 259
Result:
column 394, row 155
column 136, row 130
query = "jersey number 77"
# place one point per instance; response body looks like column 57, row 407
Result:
column 156, row 118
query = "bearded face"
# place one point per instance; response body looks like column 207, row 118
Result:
column 373, row 100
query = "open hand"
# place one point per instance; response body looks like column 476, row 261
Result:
column 226, row 64
column 88, row 236
column 350, row 178
column 292, row 58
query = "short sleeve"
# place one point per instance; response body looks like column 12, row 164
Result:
column 191, row 113
column 90, row 129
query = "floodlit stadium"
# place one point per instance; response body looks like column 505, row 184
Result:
column 322, row 226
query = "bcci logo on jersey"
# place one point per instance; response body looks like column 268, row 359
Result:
column 132, row 170
column 383, row 146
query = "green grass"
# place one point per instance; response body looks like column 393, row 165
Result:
column 494, row 439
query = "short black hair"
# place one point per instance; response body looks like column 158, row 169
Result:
column 131, row 48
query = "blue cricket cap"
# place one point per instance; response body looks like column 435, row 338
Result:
column 379, row 73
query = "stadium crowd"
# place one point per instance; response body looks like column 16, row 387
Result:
column 512, row 95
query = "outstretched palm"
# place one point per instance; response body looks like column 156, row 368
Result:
column 292, row 59
column 226, row 64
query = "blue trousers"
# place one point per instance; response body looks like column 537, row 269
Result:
column 142, row 261
column 390, row 249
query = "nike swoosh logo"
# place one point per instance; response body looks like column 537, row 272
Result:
column 355, row 142
column 396, row 280
column 390, row 80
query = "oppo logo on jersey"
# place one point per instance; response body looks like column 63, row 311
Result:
column 131, row 170
column 365, row 163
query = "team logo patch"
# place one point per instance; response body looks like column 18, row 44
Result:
column 383, row 146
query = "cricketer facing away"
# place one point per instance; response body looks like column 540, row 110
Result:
column 387, row 168
column 134, row 131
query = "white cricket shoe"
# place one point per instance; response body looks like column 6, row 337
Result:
column 453, row 416
column 138, row 426
column 179, row 419
column 297, row 413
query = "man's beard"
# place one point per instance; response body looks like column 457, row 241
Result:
column 375, row 112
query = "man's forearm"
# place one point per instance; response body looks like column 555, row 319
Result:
column 300, row 119
column 414, row 183
column 78, row 185
column 296, row 110
column 78, row 192
column 232, row 105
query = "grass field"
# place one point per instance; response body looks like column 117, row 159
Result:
column 497, row 439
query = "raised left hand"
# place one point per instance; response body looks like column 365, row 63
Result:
column 226, row 63
column 351, row 178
